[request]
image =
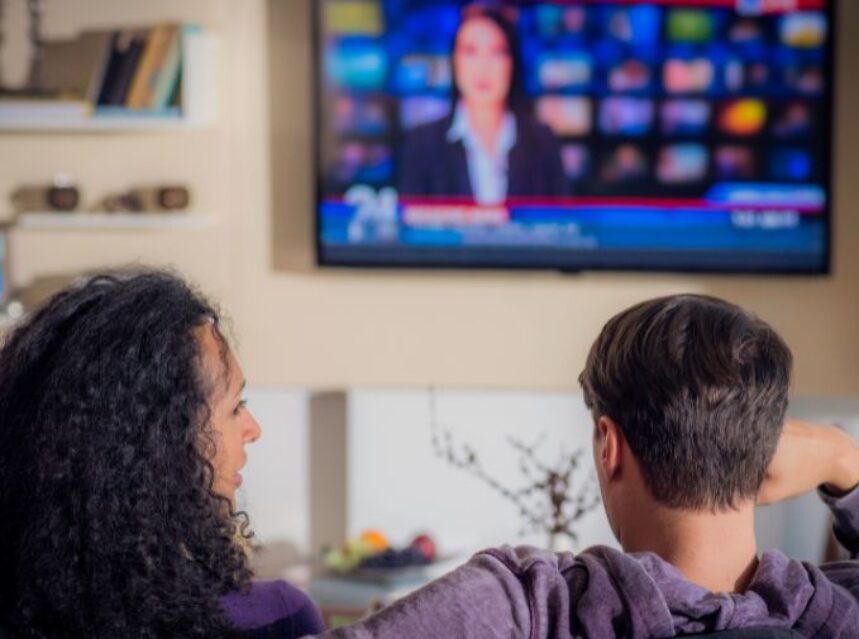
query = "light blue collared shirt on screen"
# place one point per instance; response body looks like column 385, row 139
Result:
column 487, row 172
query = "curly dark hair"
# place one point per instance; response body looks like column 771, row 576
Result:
column 110, row 526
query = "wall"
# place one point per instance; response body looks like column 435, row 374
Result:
column 334, row 464
column 275, row 491
column 397, row 482
column 326, row 328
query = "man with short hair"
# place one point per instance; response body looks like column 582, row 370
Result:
column 688, row 395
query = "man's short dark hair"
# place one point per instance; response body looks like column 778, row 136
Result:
column 699, row 389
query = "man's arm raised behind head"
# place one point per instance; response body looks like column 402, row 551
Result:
column 824, row 457
column 810, row 456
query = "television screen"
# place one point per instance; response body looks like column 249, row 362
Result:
column 677, row 135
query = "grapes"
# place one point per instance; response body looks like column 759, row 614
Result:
column 393, row 558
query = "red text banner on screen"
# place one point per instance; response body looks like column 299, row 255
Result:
column 752, row 7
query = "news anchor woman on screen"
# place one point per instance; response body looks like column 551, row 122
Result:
column 490, row 146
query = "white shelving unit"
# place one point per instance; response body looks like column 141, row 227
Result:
column 199, row 94
column 97, row 124
column 143, row 221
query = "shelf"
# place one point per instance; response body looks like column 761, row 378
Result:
column 144, row 221
column 94, row 124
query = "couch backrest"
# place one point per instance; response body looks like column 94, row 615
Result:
column 750, row 633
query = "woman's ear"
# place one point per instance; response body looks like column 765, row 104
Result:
column 611, row 441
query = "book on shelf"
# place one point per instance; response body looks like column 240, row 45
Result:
column 152, row 66
column 164, row 85
column 127, row 47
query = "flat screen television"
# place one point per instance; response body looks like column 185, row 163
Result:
column 669, row 135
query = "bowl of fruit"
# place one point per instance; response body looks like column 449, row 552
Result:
column 371, row 557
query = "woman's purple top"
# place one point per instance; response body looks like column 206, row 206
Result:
column 273, row 610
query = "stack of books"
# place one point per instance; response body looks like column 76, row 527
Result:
column 105, row 73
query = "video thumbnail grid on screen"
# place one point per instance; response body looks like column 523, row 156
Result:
column 673, row 134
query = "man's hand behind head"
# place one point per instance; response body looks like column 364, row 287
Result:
column 808, row 456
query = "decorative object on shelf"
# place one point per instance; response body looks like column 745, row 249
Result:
column 59, row 74
column 549, row 502
column 35, row 86
column 12, row 311
column 62, row 194
column 171, row 197
column 35, row 10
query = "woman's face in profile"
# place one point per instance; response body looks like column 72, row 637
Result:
column 482, row 63
column 231, row 422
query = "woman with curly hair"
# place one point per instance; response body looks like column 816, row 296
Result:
column 122, row 434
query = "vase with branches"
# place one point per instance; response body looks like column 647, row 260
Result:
column 549, row 500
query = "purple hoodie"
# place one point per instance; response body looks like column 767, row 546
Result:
column 529, row 593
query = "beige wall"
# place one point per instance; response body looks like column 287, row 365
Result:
column 297, row 325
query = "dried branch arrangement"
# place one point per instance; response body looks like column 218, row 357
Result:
column 550, row 502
